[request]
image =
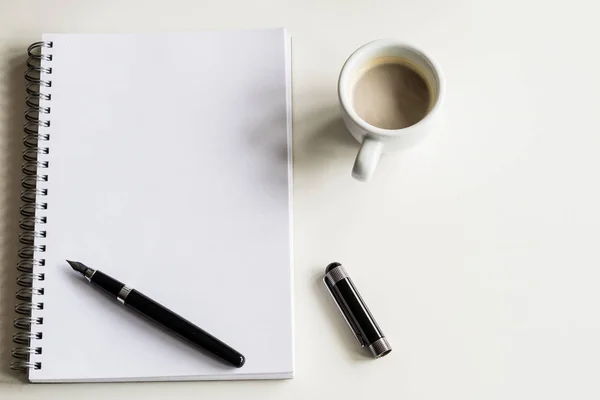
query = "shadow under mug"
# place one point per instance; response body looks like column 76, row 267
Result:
column 375, row 141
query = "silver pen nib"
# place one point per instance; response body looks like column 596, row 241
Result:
column 82, row 269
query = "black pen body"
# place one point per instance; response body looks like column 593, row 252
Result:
column 166, row 318
column 106, row 283
column 355, row 311
column 183, row 327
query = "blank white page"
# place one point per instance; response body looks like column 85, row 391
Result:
column 170, row 170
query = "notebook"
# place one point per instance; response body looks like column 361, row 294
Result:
column 163, row 160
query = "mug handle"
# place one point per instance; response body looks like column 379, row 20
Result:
column 367, row 159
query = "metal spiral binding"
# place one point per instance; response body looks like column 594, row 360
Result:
column 31, row 211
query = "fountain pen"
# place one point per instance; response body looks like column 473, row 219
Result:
column 160, row 315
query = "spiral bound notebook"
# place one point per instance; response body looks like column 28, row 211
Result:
column 163, row 160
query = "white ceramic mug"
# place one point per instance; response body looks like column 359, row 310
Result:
column 376, row 141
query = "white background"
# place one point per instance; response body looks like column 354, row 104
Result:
column 476, row 251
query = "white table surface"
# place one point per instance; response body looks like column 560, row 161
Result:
column 477, row 251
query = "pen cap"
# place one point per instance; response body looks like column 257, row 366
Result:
column 355, row 311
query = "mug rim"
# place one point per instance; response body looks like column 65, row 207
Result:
column 344, row 96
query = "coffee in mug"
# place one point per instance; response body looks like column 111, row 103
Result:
column 391, row 94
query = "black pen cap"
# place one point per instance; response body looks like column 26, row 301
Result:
column 355, row 311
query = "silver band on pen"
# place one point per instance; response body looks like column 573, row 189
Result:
column 123, row 293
